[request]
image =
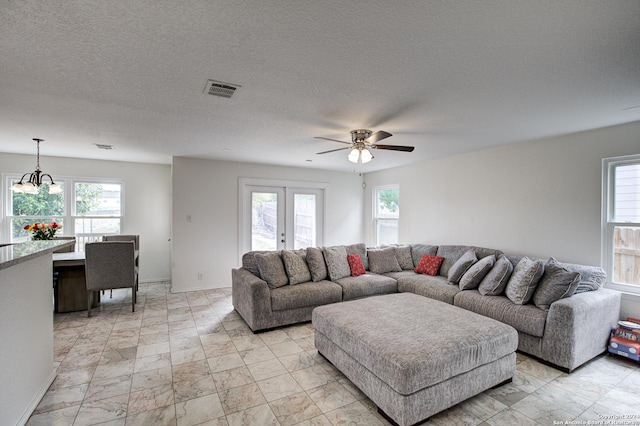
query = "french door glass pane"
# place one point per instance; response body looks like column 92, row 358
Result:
column 264, row 221
column 626, row 255
column 304, row 221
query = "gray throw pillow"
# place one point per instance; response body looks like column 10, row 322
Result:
column 296, row 266
column 556, row 283
column 360, row 249
column 316, row 264
column 337, row 263
column 461, row 266
column 383, row 260
column 403, row 255
column 524, row 280
column 495, row 281
column 471, row 279
column 272, row 269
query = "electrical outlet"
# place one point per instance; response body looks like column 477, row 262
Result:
column 200, row 275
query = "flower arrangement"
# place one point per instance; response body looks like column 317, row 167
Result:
column 43, row 231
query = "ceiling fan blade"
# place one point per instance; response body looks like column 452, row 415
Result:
column 395, row 147
column 333, row 150
column 378, row 136
column 332, row 140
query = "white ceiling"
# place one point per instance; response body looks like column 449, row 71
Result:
column 443, row 76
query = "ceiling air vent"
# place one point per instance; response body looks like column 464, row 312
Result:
column 218, row 88
column 105, row 147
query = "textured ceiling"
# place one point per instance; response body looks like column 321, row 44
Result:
column 444, row 76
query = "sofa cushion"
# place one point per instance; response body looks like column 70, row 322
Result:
column 360, row 249
column 383, row 260
column 524, row 318
column 250, row 263
column 337, row 263
column 471, row 279
column 355, row 264
column 316, row 263
column 396, row 275
column 556, row 283
column 272, row 269
column 295, row 265
column 305, row 295
column 429, row 265
column 403, row 255
column 461, row 266
column 591, row 277
column 417, row 250
column 496, row 279
column 428, row 286
column 366, row 285
column 524, row 280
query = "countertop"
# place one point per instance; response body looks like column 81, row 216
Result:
column 21, row 252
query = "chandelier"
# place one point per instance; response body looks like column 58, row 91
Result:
column 32, row 184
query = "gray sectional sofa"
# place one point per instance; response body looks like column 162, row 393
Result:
column 273, row 289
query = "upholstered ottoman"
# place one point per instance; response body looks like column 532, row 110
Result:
column 414, row 356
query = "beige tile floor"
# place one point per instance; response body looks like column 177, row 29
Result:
column 189, row 359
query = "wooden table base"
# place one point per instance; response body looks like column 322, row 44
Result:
column 70, row 292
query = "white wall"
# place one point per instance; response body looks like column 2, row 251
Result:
column 208, row 191
column 146, row 200
column 540, row 198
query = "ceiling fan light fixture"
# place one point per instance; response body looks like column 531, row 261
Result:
column 354, row 155
column 366, row 156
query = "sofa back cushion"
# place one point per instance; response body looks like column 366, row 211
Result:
column 337, row 263
column 474, row 275
column 295, row 264
column 495, row 281
column 461, row 266
column 383, row 260
column 556, row 283
column 591, row 277
column 250, row 263
column 360, row 249
column 452, row 253
column 417, row 250
column 316, row 264
column 524, row 280
column 403, row 255
column 272, row 269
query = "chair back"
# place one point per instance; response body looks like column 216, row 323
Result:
column 110, row 264
column 134, row 238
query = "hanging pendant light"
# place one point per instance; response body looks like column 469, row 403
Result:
column 32, row 185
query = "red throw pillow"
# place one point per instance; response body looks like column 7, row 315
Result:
column 355, row 264
column 429, row 265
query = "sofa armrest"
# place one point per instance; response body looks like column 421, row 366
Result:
column 251, row 297
column 578, row 327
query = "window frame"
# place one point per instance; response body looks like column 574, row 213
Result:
column 69, row 216
column 609, row 224
column 375, row 219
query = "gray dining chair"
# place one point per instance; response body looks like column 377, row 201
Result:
column 124, row 237
column 109, row 265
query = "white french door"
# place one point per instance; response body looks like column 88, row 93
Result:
column 281, row 217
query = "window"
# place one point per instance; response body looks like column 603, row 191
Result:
column 86, row 208
column 621, row 222
column 386, row 212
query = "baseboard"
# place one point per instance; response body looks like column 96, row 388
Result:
column 36, row 399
